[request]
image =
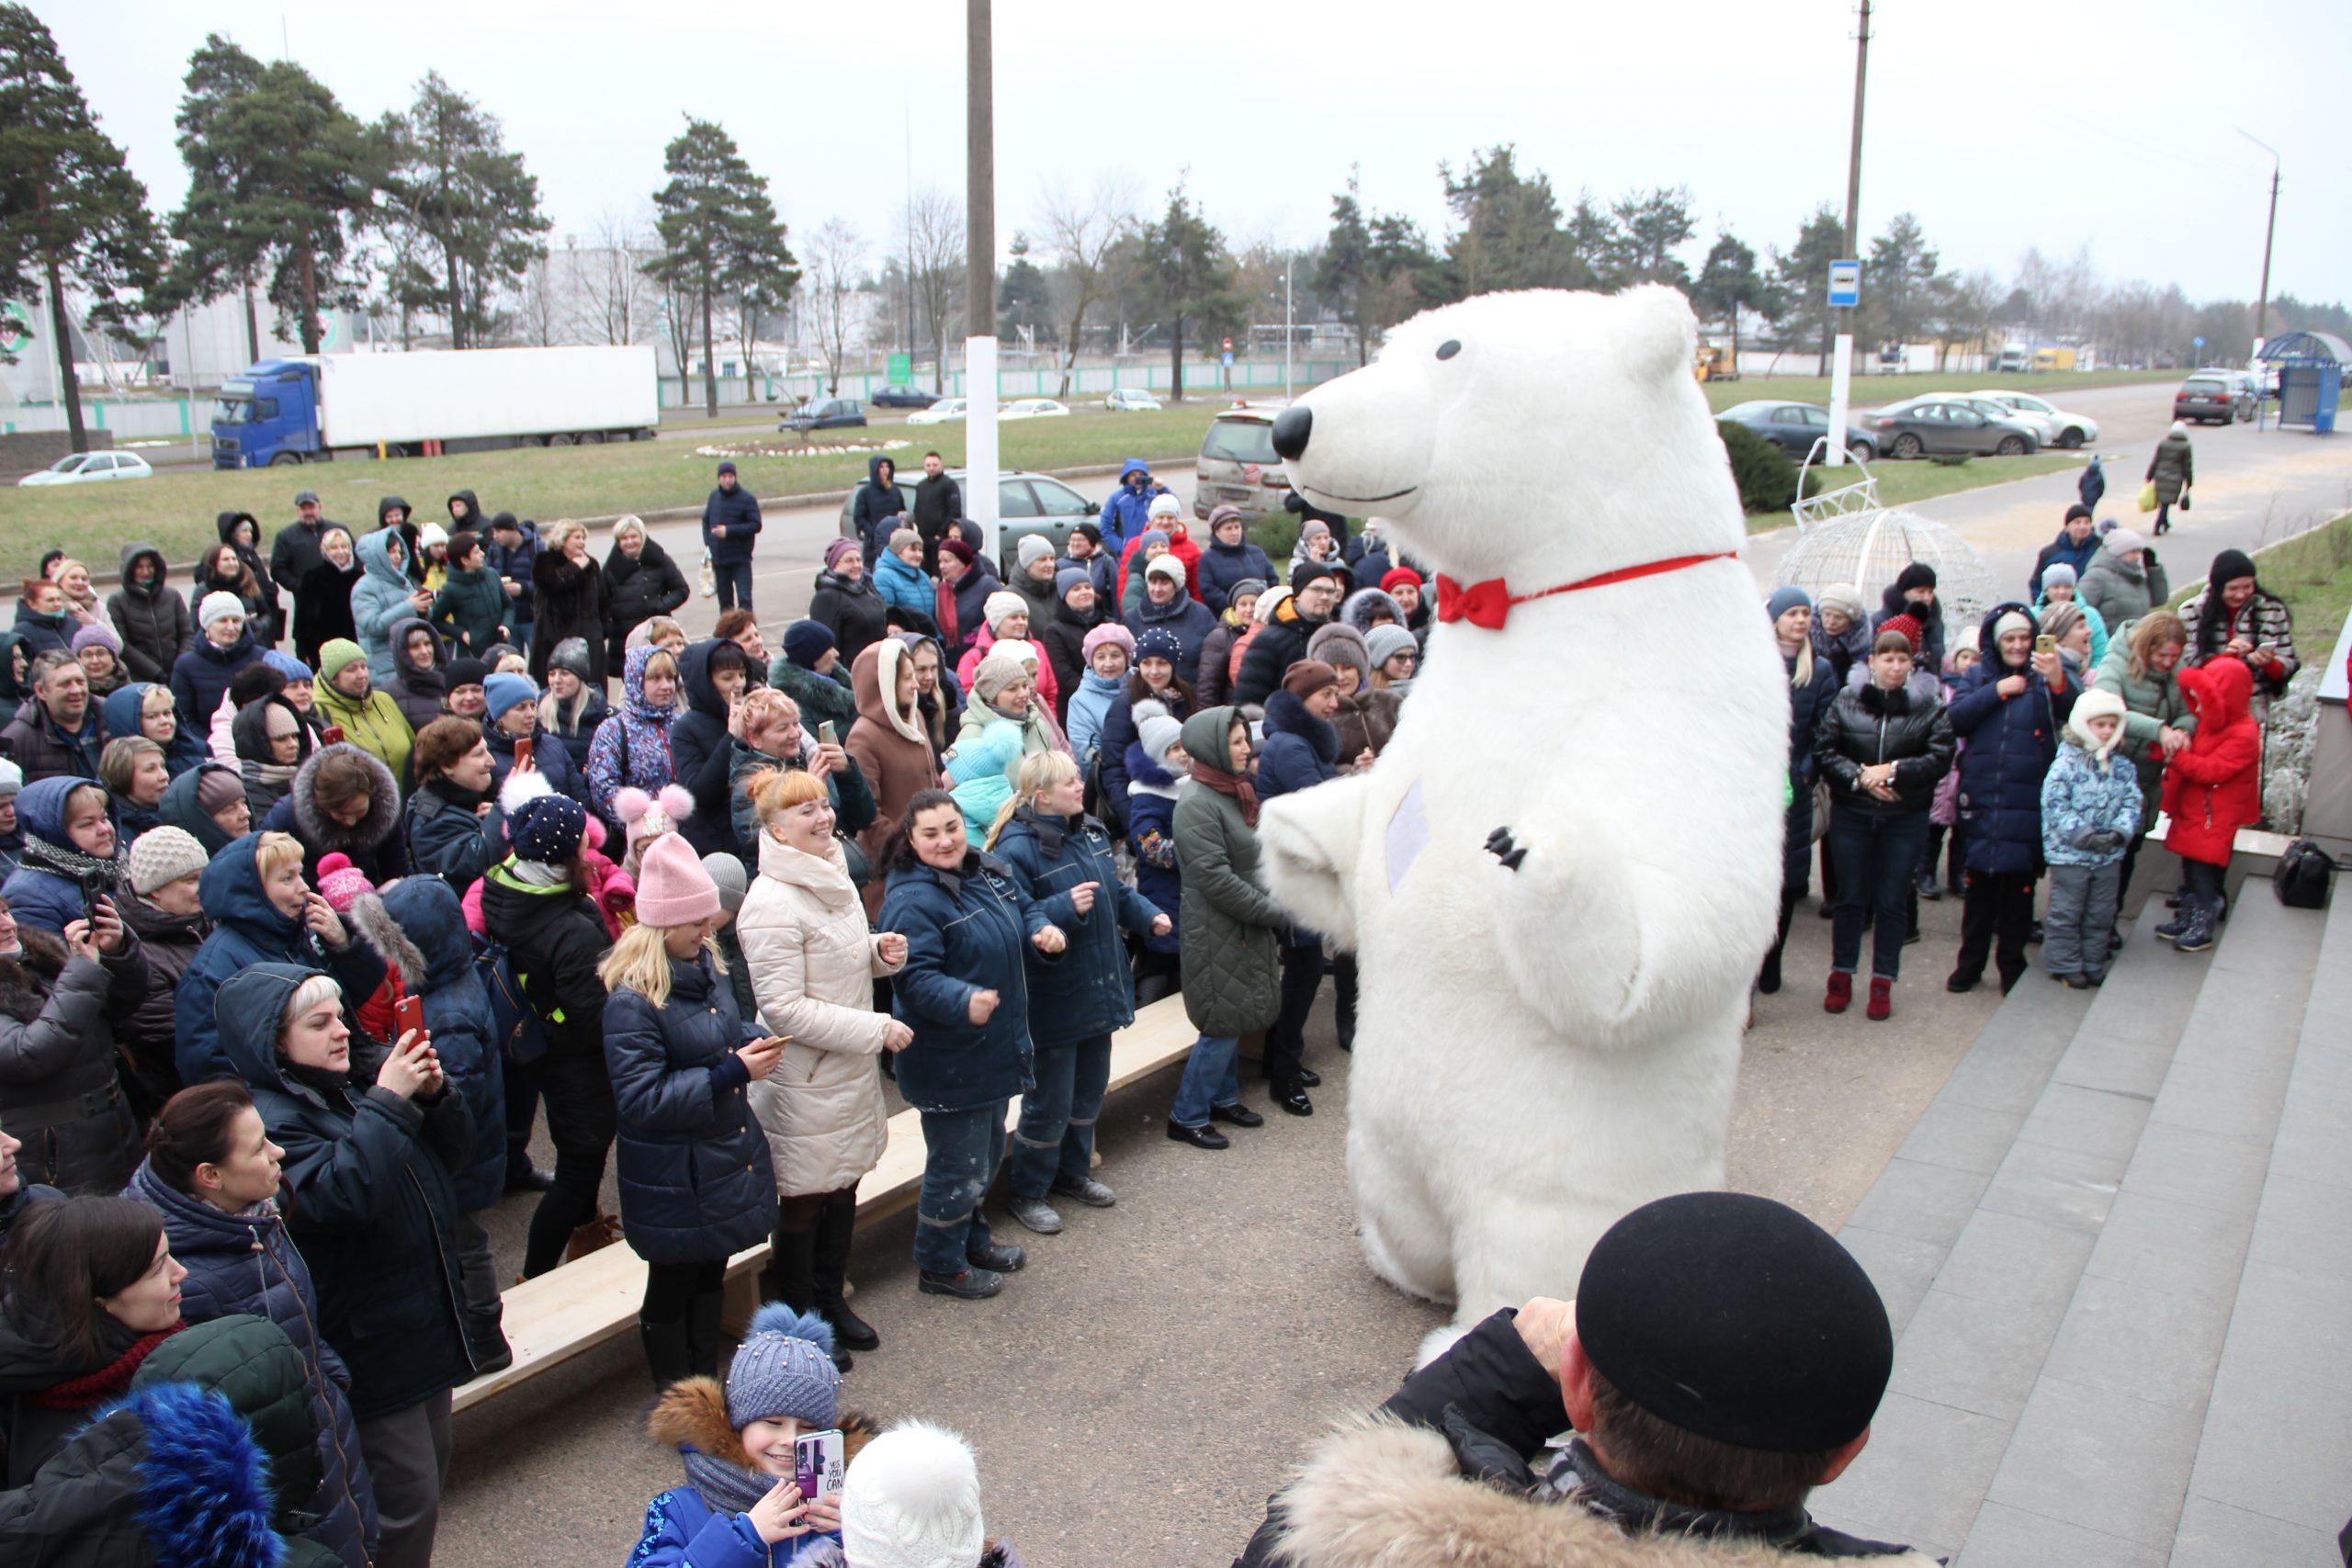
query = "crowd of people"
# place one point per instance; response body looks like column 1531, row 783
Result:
column 297, row 948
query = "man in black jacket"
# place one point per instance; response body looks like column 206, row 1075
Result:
column 1281, row 641
column 508, row 552
column 937, row 503
column 296, row 552
column 1722, row 1356
column 730, row 519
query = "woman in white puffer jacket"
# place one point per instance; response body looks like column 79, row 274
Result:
column 813, row 962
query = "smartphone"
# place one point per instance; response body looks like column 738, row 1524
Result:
column 94, row 885
column 330, row 736
column 408, row 1013
column 523, row 750
column 826, row 734
column 817, row 1463
column 2045, row 644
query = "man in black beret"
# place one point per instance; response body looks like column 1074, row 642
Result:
column 1723, row 1356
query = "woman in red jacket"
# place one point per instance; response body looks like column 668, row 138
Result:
column 2212, row 787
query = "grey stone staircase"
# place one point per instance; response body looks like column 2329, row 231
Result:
column 2118, row 1253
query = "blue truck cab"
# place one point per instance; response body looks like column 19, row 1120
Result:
column 270, row 415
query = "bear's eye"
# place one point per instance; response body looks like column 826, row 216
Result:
column 1449, row 348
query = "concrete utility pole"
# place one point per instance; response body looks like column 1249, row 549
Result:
column 1842, row 372
column 979, row 227
column 2262, row 307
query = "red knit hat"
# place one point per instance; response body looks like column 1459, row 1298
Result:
column 1396, row 574
column 1910, row 628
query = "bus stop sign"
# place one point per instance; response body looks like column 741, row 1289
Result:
column 1845, row 284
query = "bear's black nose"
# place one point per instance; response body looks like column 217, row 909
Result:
column 1292, row 427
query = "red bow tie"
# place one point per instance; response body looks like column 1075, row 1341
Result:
column 1489, row 603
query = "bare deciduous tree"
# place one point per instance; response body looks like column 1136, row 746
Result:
column 1083, row 234
column 836, row 264
column 933, row 225
column 617, row 301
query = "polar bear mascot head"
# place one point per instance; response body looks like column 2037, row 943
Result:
column 1542, row 437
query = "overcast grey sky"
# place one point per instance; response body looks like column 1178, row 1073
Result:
column 2002, row 123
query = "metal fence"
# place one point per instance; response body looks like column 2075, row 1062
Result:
column 1088, row 382
column 130, row 419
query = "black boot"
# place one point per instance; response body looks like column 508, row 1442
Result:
column 2200, row 917
column 706, row 1331
column 485, row 1341
column 790, row 1276
column 836, row 1224
column 1767, row 976
column 669, row 1352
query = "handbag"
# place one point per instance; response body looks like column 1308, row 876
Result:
column 595, row 1236
column 710, row 584
column 2302, row 875
column 2183, row 503
column 861, row 867
column 2147, row 504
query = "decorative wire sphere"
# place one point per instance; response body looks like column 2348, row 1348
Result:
column 1844, row 552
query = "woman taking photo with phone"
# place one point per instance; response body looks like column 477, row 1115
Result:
column 964, row 992
column 61, row 999
column 697, row 1186
column 370, row 1136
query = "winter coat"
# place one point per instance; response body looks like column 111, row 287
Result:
column 1039, row 595
column 247, row 930
column 569, row 601
column 739, row 511
column 2011, row 743
column 155, row 623
column 851, row 610
column 2213, row 787
column 59, row 1092
column 1232, row 984
column 200, row 677
column 514, row 566
column 1064, row 636
column 1806, row 704
column 853, row 801
column 45, row 891
column 1280, row 643
column 696, row 1183
column 1191, row 620
column 1091, row 703
column 876, row 508
column 376, row 726
column 266, row 617
column 2262, row 619
column 2092, row 618
column 375, row 845
column 120, row 713
column 471, row 610
column 44, row 633
column 2122, row 592
column 583, row 721
column 1088, row 989
column 1931, row 624
column 323, row 608
column 2173, row 469
column 1299, row 750
column 1366, row 719
column 1150, row 817
column 2061, row 551
column 1865, row 726
column 813, row 963
column 554, row 940
column 1212, row 684
column 980, row 771
column 965, row 598
column 266, row 780
column 2151, row 705
column 296, row 550
column 2092, row 485
column 1131, row 564
column 182, row 810
column 169, row 944
column 380, row 600
column 1122, row 728
column 46, row 751
column 702, row 753
column 636, row 592
column 890, row 750
column 246, row 1264
column 1841, row 654
column 938, row 502
column 445, row 837
column 2082, row 795
column 369, row 1199
column 820, row 697
column 1048, row 689
column 209, row 1457
column 1102, row 570
column 551, row 758
column 1222, row 566
column 632, row 747
column 905, row 589
column 421, row 695
column 1126, row 513
column 967, row 931
column 684, row 1528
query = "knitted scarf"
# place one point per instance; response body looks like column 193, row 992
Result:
column 109, row 1381
column 728, row 1488
column 70, row 863
column 1238, row 787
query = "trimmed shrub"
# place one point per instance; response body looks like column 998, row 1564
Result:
column 1767, row 479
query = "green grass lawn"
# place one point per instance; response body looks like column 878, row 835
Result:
column 1904, row 484
column 1871, row 391
column 2311, row 571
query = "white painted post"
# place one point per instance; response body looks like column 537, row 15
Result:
column 1841, row 375
column 980, row 463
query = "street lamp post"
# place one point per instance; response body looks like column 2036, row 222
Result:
column 1286, row 328
column 2262, row 307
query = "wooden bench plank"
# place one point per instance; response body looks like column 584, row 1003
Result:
column 573, row 1309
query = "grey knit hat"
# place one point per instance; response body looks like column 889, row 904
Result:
column 726, row 873
column 1385, row 643
column 2057, row 572
column 785, row 1367
column 161, row 856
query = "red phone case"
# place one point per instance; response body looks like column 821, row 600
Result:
column 408, row 1014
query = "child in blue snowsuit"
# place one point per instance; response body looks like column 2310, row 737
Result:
column 2090, row 810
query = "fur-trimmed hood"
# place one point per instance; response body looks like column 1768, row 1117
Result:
column 692, row 1413
column 1383, row 1494
column 321, row 832
column 26, row 979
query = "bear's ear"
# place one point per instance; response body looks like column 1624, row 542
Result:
column 1664, row 336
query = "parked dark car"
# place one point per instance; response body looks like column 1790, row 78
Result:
column 1919, row 426
column 1794, row 427
column 824, row 413
column 903, row 398
column 1025, row 503
column 2215, row 397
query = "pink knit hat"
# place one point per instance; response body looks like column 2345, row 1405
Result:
column 340, row 882
column 673, row 889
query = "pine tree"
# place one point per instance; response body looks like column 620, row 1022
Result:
column 1803, row 274
column 1191, row 276
column 1021, row 296
column 454, row 190
column 720, row 231
column 71, row 211
column 1729, row 283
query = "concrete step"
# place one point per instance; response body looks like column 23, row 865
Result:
column 2273, row 1477
column 1984, row 1228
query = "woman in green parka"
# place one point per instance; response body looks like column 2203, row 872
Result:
column 1232, row 984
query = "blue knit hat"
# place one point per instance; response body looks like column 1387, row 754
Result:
column 546, row 828
column 1787, row 597
column 286, row 664
column 784, row 1367
column 505, row 691
column 804, row 642
column 1159, row 643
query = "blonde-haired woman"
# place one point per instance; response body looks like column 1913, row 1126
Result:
column 696, row 1183
column 813, row 962
column 568, row 599
column 1812, row 686
column 1062, row 859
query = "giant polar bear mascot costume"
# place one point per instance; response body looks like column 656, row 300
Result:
column 1563, row 871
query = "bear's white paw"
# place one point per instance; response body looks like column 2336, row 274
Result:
column 1567, row 927
column 1438, row 1341
column 1308, row 843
